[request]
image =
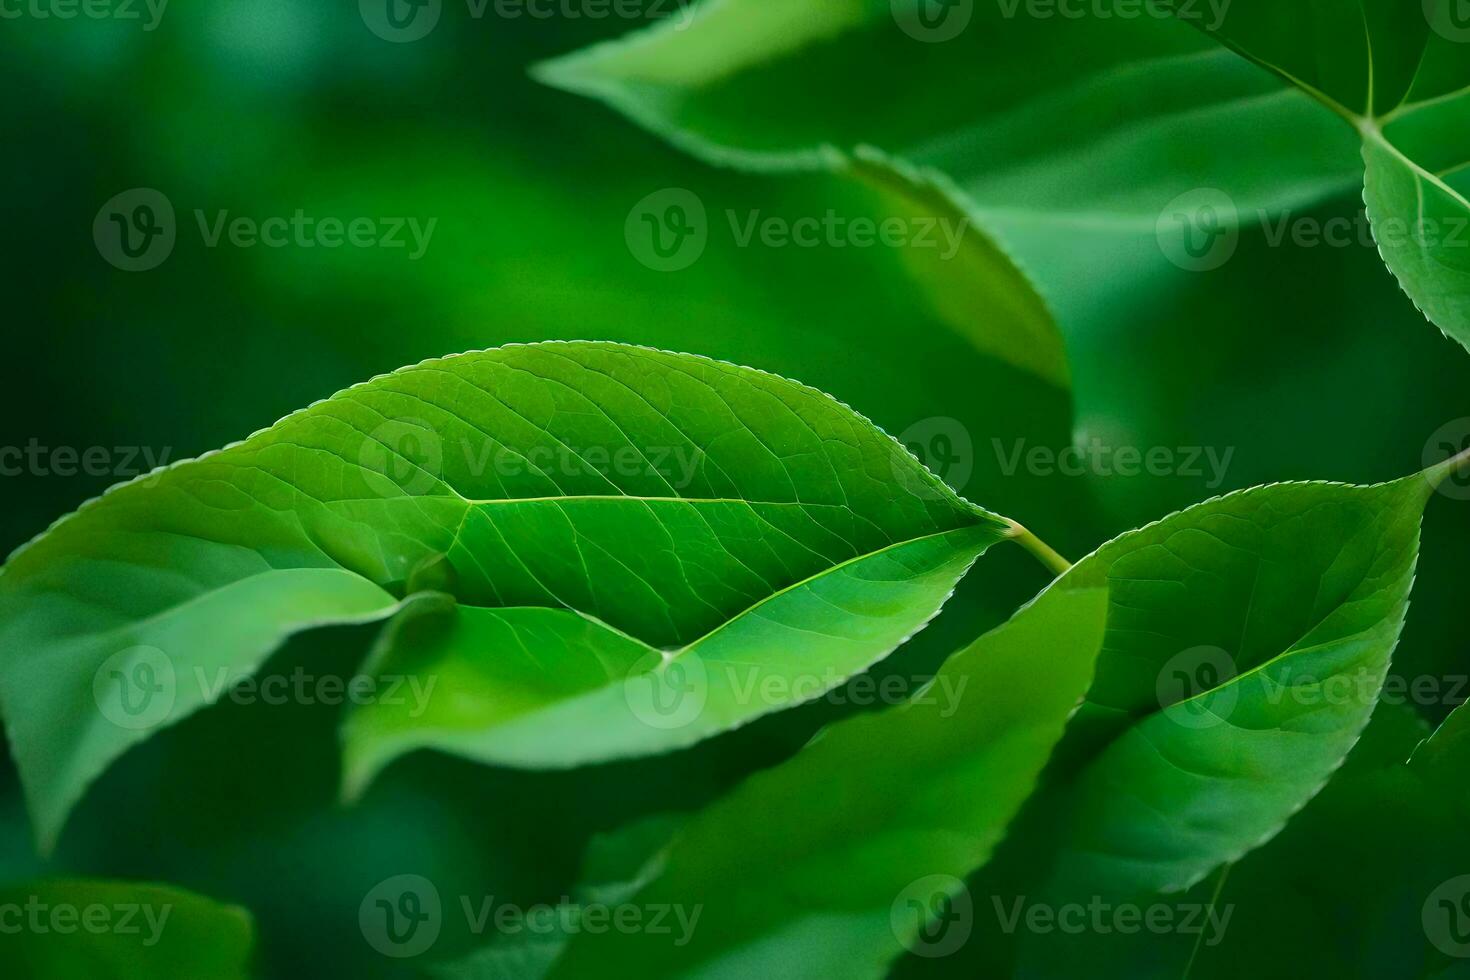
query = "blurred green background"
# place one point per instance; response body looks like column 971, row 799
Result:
column 1301, row 363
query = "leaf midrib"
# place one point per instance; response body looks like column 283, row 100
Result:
column 169, row 611
column 1421, row 173
column 636, row 498
column 1370, row 124
column 669, row 655
column 960, row 505
column 672, row 653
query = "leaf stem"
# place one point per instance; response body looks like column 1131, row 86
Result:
column 1042, row 551
column 1214, row 900
column 1441, row 471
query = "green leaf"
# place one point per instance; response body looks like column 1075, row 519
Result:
column 1291, row 587
column 592, row 508
column 1073, row 123
column 1366, row 882
column 1450, row 740
column 1347, row 887
column 1248, row 638
column 61, row 930
column 1247, row 641
column 1400, row 73
column 547, row 687
column 831, row 863
column 978, row 291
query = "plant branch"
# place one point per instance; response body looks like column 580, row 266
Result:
column 1042, row 551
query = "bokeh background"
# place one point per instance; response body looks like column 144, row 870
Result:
column 1300, row 363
